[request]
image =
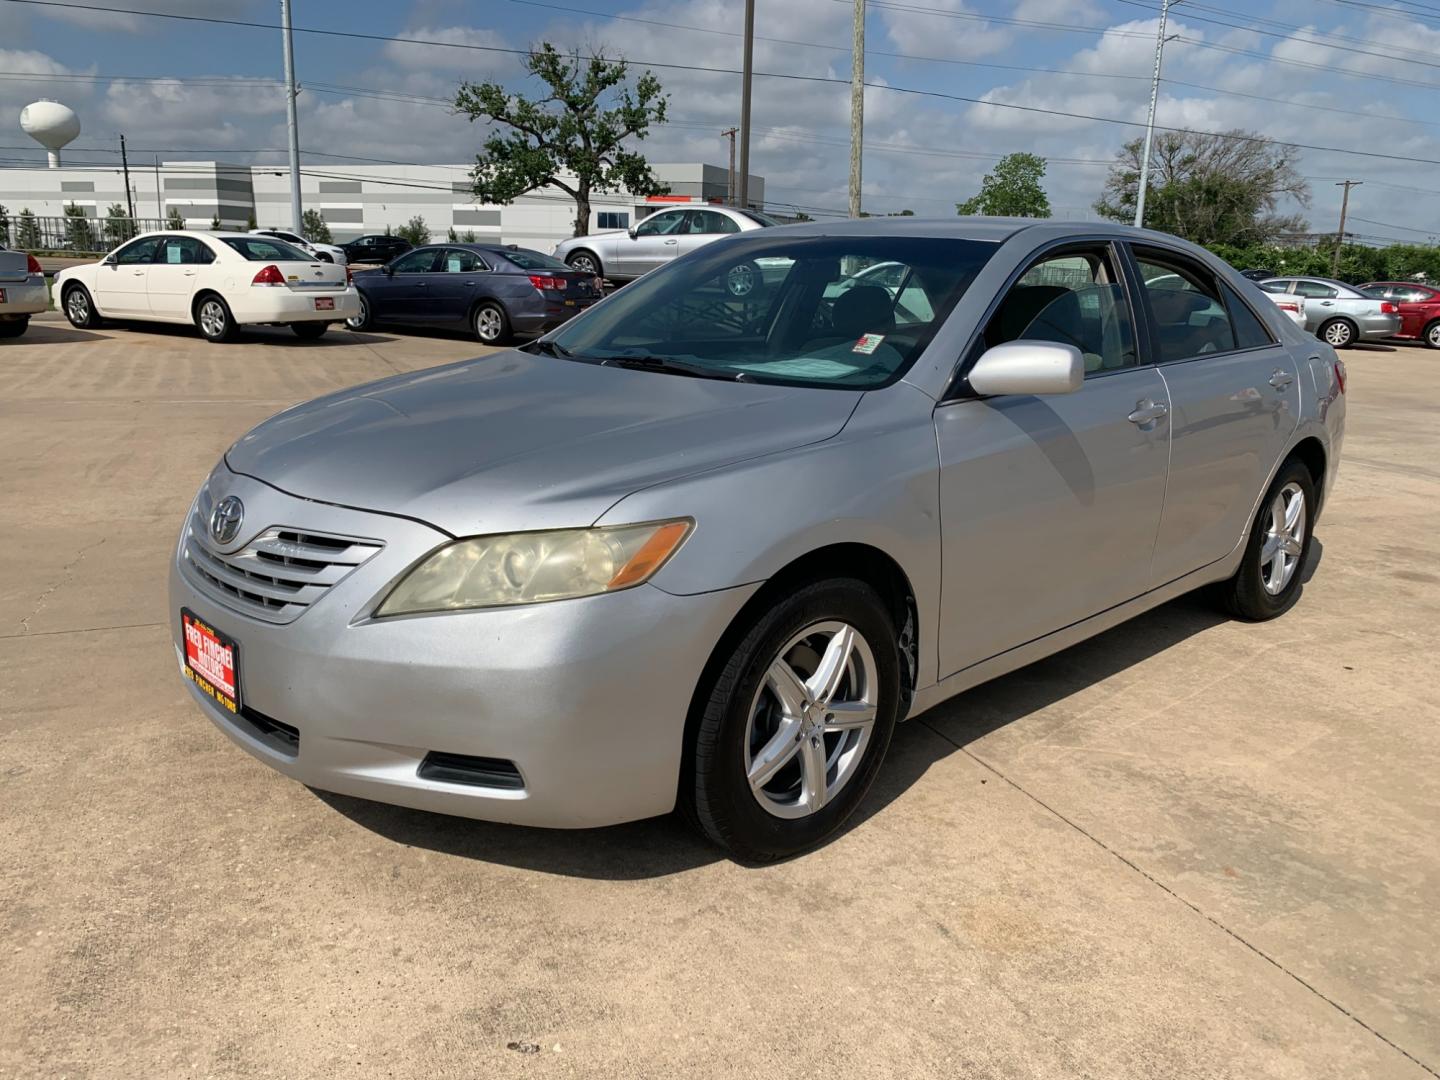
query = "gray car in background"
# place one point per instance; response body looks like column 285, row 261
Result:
column 22, row 291
column 623, row 255
column 1339, row 314
column 705, row 551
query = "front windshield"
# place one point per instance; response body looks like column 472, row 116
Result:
column 792, row 309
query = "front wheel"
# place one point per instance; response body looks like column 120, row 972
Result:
column 1268, row 581
column 491, row 325
column 309, row 330
column 795, row 723
column 1338, row 333
column 80, row 309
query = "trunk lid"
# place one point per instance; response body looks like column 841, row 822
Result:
column 14, row 266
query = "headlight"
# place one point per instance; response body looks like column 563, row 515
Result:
column 531, row 568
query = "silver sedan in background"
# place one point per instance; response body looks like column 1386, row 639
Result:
column 1339, row 314
column 704, row 551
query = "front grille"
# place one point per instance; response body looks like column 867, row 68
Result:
column 472, row 771
column 277, row 575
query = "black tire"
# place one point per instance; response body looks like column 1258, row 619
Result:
column 715, row 794
column 1431, row 334
column 587, row 262
column 490, row 324
column 1245, row 595
column 14, row 327
column 1337, row 333
column 80, row 307
column 310, row 331
column 363, row 321
column 743, row 281
column 325, row 256
column 215, row 326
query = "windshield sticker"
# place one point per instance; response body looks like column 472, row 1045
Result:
column 868, row 343
column 804, row 367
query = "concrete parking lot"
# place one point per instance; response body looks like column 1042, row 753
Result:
column 1188, row 848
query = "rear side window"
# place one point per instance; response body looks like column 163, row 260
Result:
column 264, row 249
column 184, row 250
column 1186, row 307
column 1250, row 332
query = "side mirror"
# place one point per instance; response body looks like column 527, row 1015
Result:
column 389, row 270
column 631, row 231
column 109, row 260
column 1028, row 367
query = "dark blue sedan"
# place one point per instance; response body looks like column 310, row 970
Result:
column 495, row 291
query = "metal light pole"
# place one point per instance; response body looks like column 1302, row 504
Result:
column 744, row 180
column 857, row 104
column 297, row 213
column 1150, row 123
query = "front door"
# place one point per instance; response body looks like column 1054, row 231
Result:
column 656, row 240
column 174, row 274
column 403, row 295
column 1049, row 504
column 1234, row 400
column 120, row 284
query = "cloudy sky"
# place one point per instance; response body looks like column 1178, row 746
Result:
column 1347, row 75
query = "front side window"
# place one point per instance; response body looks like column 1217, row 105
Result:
column 416, row 262
column 138, row 251
column 803, row 318
column 264, row 249
column 1186, row 306
column 661, row 224
column 1316, row 290
column 1074, row 297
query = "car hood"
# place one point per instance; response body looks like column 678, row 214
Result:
column 515, row 441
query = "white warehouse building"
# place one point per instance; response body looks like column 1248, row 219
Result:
column 353, row 199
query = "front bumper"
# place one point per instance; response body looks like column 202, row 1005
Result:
column 588, row 698
column 28, row 297
column 282, row 305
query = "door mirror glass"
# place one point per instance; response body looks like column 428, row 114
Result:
column 109, row 260
column 1028, row 367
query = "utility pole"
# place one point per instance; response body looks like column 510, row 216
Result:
column 744, row 179
column 857, row 104
column 1150, row 123
column 729, row 133
column 287, row 38
column 125, row 168
column 159, row 206
column 1344, row 209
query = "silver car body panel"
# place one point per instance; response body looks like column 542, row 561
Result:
column 1021, row 526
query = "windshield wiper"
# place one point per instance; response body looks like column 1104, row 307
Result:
column 552, row 348
column 651, row 362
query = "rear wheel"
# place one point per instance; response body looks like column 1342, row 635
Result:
column 1268, row 581
column 491, row 325
column 213, row 319
column 309, row 330
column 1432, row 334
column 796, row 723
column 14, row 327
column 1337, row 333
column 587, row 262
column 79, row 308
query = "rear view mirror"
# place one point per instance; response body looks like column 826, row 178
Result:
column 1028, row 367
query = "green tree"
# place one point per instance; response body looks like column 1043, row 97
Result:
column 174, row 219
column 415, row 230
column 1223, row 188
column 78, row 232
column 119, row 226
column 1012, row 190
column 27, row 231
column 468, row 236
column 569, row 138
column 315, row 228
column 250, row 222
column 452, row 236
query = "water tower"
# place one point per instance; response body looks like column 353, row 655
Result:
column 52, row 125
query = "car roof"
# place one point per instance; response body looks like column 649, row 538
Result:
column 992, row 229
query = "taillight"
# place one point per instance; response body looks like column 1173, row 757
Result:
column 269, row 276
column 541, row 282
column 349, row 276
column 1387, row 308
column 1340, row 374
column 32, row 265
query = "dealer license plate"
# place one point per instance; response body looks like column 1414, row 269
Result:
column 212, row 661
column 324, row 303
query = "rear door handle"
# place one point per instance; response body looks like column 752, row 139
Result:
column 1148, row 411
column 1281, row 379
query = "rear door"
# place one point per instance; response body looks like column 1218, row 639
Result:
column 121, row 283
column 1321, row 301
column 704, row 226
column 173, row 275
column 1234, row 403
column 452, row 286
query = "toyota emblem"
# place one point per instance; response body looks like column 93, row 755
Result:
column 225, row 519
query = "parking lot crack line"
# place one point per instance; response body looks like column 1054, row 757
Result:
column 1175, row 895
column 66, row 573
column 81, row 630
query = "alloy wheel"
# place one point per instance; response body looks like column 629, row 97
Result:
column 1432, row 336
column 357, row 322
column 212, row 318
column 1338, row 334
column 489, row 324
column 584, row 263
column 811, row 720
column 77, row 307
column 740, row 280
column 1284, row 539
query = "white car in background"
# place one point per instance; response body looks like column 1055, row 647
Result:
column 218, row 281
column 323, row 252
column 22, row 291
column 1291, row 305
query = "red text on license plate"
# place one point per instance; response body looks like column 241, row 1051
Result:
column 324, row 303
column 210, row 660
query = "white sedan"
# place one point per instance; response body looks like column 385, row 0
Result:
column 218, row 281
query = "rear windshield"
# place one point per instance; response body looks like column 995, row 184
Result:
column 526, row 259
column 264, row 249
column 848, row 312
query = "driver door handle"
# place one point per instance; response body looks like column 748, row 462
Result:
column 1148, row 411
column 672, row 241
column 1281, row 379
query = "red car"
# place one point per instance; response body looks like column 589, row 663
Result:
column 1419, row 308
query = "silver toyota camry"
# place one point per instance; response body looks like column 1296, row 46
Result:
column 705, row 551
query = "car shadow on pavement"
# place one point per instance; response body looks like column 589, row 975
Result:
column 666, row 845
column 45, row 333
